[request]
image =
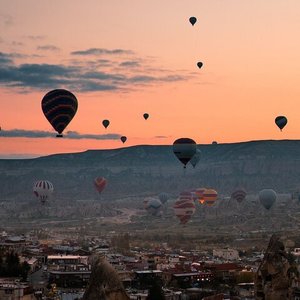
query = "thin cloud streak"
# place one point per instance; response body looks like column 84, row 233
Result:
column 48, row 48
column 36, row 134
column 101, row 51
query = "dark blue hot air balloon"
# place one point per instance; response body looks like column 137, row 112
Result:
column 59, row 107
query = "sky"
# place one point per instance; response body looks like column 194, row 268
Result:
column 124, row 58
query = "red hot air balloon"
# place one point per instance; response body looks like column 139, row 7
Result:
column 59, row 107
column 100, row 184
column 184, row 207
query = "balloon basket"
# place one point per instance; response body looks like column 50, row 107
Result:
column 59, row 135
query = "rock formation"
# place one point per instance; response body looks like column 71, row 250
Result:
column 104, row 283
column 274, row 276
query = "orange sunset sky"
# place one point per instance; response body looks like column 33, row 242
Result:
column 122, row 58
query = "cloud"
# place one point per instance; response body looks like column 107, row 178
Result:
column 48, row 48
column 80, row 75
column 129, row 63
column 36, row 37
column 20, row 133
column 16, row 43
column 5, row 59
column 161, row 137
column 101, row 51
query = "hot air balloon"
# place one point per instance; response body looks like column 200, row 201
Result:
column 210, row 196
column 105, row 123
column 153, row 206
column 196, row 158
column 281, row 121
column 123, row 139
column 43, row 190
column 163, row 197
column 59, row 107
column 184, row 149
column 267, row 198
column 199, row 193
column 100, row 184
column 184, row 207
column 215, row 143
column 199, row 64
column 239, row 195
column 146, row 116
column 193, row 20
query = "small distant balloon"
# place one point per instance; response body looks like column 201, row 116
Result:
column 193, row 20
column 214, row 142
column 43, row 189
column 267, row 198
column 281, row 121
column 100, row 184
column 146, row 116
column 199, row 64
column 239, row 195
column 163, row 197
column 105, row 123
column 123, row 139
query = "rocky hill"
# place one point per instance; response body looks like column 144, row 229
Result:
column 136, row 172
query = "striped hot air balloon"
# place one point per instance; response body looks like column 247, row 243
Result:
column 163, row 197
column 210, row 196
column 239, row 195
column 43, row 189
column 184, row 207
column 59, row 107
column 199, row 193
column 100, row 184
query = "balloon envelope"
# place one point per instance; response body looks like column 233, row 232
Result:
column 281, row 121
column 199, row 64
column 239, row 195
column 43, row 189
column 123, row 139
column 100, row 184
column 146, row 116
column 193, row 20
column 59, row 107
column 210, row 196
column 196, row 158
column 267, row 198
column 200, row 195
column 184, row 149
column 184, row 207
column 105, row 123
column 163, row 197
column 153, row 206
